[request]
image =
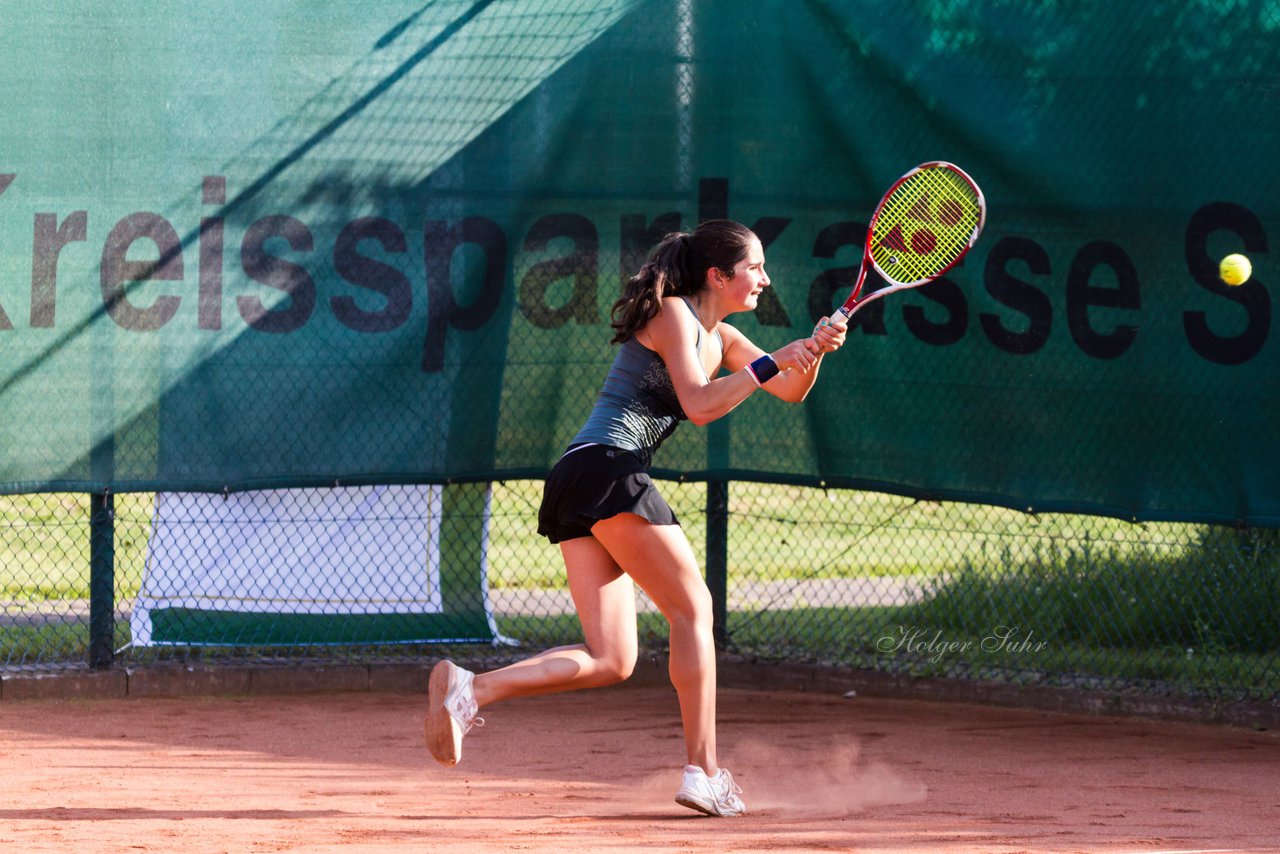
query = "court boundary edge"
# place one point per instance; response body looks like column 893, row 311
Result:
column 160, row 680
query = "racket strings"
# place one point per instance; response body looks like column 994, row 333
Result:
column 924, row 225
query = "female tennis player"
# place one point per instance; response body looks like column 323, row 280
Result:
column 614, row 528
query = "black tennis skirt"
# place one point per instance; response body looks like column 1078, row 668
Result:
column 594, row 482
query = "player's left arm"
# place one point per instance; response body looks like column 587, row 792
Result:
column 791, row 386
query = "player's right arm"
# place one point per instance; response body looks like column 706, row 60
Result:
column 797, row 362
column 672, row 333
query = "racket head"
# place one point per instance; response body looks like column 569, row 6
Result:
column 923, row 227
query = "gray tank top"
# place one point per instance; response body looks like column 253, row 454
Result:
column 637, row 408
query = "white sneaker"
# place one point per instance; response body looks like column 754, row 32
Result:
column 451, row 711
column 716, row 795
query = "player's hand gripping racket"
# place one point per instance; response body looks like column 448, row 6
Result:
column 921, row 229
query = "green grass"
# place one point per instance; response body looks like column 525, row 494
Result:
column 49, row 643
column 867, row 637
column 789, row 532
column 901, row 640
column 1222, row 597
column 775, row 532
column 1181, row 607
column 44, row 545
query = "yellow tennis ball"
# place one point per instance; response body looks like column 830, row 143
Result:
column 1235, row 269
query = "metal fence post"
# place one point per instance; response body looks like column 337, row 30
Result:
column 718, row 557
column 102, row 580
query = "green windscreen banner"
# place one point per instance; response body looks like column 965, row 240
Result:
column 282, row 245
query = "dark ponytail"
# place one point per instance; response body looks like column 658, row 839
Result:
column 678, row 267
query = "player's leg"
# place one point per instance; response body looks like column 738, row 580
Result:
column 605, row 600
column 660, row 559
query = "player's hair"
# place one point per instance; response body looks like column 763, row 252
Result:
column 678, row 266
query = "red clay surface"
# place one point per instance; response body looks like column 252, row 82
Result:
column 596, row 771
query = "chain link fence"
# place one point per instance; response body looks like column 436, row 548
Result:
column 832, row 576
column 507, row 116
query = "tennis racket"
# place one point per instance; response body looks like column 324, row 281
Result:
column 921, row 229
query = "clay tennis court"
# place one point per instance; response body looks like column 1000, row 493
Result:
column 596, row 771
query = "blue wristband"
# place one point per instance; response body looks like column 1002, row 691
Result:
column 763, row 369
